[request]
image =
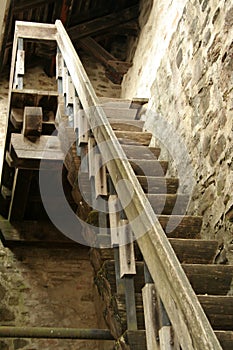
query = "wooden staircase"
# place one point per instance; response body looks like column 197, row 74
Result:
column 211, row 282
column 157, row 278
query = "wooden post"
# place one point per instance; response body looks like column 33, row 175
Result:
column 100, row 176
column 149, row 306
column 32, row 122
column 4, row 25
column 19, row 66
column 19, row 196
column 59, row 69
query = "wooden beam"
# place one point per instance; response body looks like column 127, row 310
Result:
column 116, row 69
column 19, row 196
column 33, row 30
column 103, row 24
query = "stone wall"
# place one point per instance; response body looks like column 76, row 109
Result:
column 49, row 287
column 190, row 87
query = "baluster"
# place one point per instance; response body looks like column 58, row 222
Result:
column 19, row 66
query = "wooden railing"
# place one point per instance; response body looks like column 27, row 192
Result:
column 185, row 313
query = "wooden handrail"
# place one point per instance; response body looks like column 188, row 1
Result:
column 187, row 317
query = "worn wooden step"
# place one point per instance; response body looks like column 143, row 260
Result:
column 219, row 310
column 205, row 279
column 225, row 338
column 115, row 102
column 152, row 184
column 134, row 138
column 168, row 204
column 141, row 152
column 209, row 279
column 120, row 113
column 181, row 226
column 126, row 125
column 149, row 167
column 137, row 339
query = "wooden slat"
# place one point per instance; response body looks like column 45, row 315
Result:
column 114, row 217
column 164, row 267
column 114, row 102
column 210, row 279
column 165, row 338
column 168, row 204
column 151, row 184
column 226, row 339
column 19, row 196
column 149, row 167
column 126, row 125
column 219, row 310
column 102, row 24
column 33, row 30
column 120, row 113
column 133, row 138
column 141, row 152
column 181, row 226
column 100, row 177
column 126, row 249
column 194, row 251
column 151, row 322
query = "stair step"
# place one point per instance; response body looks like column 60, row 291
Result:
column 179, row 226
column 120, row 113
column 126, row 125
column 134, row 138
column 115, row 102
column 168, row 203
column 205, row 279
column 137, row 339
column 141, row 152
column 210, row 279
column 225, row 338
column 149, row 167
column 219, row 310
column 152, row 185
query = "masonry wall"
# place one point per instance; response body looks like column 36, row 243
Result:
column 50, row 287
column 183, row 63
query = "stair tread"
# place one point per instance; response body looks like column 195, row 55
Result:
column 147, row 167
column 119, row 113
column 181, row 226
column 225, row 338
column 168, row 203
column 156, row 185
column 134, row 138
column 143, row 152
column 126, row 125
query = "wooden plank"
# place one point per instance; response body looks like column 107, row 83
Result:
column 70, row 91
column 4, row 25
column 33, row 30
column 115, row 102
column 142, row 152
column 168, row 204
column 181, row 226
column 83, row 128
column 114, row 217
column 126, row 250
column 64, row 80
column 225, row 338
column 126, row 125
column 133, row 138
column 210, row 279
column 130, row 303
column 102, row 24
column 59, row 65
column 165, row 338
column 91, row 156
column 151, row 322
column 149, row 167
column 32, row 122
column 171, row 282
column 120, row 113
column 156, row 185
column 194, row 251
column 19, row 196
column 100, row 176
column 219, row 310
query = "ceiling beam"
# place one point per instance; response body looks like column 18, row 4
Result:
column 103, row 24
